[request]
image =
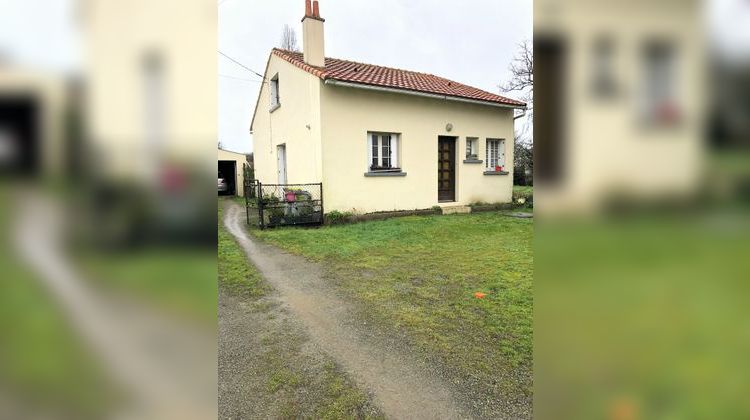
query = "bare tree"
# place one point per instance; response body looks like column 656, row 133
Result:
column 521, row 81
column 522, row 73
column 289, row 39
column 522, row 84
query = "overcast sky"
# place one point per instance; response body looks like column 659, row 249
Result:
column 40, row 34
column 469, row 41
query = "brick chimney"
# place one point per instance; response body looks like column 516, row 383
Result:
column 313, row 45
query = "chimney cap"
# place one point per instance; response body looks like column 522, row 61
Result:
column 312, row 10
column 316, row 9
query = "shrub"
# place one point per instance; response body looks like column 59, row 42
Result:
column 437, row 209
column 339, row 218
column 523, row 197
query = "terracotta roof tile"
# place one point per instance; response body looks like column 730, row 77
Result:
column 368, row 74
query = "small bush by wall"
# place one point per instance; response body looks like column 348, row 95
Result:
column 523, row 197
column 338, row 218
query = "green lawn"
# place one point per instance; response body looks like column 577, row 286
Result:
column 523, row 189
column 176, row 280
column 418, row 276
column 42, row 362
column 643, row 315
column 236, row 275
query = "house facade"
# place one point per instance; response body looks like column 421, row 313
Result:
column 621, row 88
column 379, row 139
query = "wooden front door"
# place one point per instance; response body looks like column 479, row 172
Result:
column 446, row 168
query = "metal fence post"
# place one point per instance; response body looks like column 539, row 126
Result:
column 322, row 211
column 261, row 222
column 247, row 204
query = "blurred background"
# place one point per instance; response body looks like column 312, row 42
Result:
column 642, row 172
column 107, row 209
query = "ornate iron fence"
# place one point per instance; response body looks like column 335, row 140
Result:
column 284, row 204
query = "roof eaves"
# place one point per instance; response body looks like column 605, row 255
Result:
column 325, row 76
column 371, row 86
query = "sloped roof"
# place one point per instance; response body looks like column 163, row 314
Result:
column 372, row 75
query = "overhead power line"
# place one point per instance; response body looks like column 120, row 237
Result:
column 240, row 78
column 242, row 65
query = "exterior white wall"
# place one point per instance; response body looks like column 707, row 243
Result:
column 609, row 149
column 349, row 113
column 119, row 38
column 295, row 123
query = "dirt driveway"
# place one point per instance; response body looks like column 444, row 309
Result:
column 402, row 385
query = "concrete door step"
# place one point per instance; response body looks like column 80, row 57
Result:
column 456, row 209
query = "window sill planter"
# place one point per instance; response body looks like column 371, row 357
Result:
column 496, row 172
column 473, row 161
column 385, row 173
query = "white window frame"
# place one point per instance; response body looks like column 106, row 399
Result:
column 660, row 61
column 495, row 155
column 472, row 147
column 382, row 144
column 275, row 97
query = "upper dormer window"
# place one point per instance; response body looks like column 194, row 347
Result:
column 275, row 100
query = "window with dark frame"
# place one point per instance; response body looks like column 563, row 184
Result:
column 385, row 143
column 471, row 148
column 275, row 100
column 603, row 82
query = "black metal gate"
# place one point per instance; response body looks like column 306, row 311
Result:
column 283, row 204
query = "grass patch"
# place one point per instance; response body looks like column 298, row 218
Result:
column 523, row 190
column 643, row 313
column 178, row 280
column 418, row 275
column 280, row 377
column 236, row 275
column 341, row 398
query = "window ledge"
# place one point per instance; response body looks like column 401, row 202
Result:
column 275, row 107
column 473, row 161
column 385, row 173
column 496, row 172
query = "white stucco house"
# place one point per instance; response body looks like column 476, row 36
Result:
column 379, row 138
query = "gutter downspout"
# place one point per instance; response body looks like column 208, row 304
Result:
column 521, row 115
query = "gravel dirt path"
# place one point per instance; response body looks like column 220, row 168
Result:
column 161, row 365
column 401, row 384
